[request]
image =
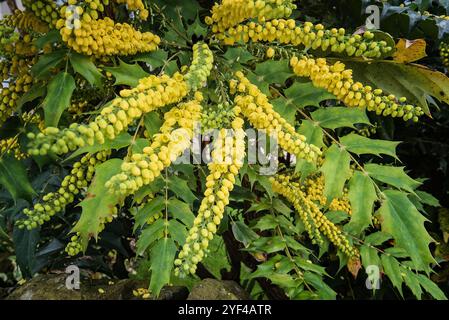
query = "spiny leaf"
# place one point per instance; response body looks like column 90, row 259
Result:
column 391, row 268
column 337, row 117
column 152, row 122
column 149, row 235
column 59, row 94
column 431, row 287
column 99, row 203
column 177, row 231
column 336, row 171
column 127, row 74
column 273, row 71
column 181, row 211
column 369, row 256
column 85, row 67
column 300, row 95
column 394, row 176
column 377, row 238
column 363, row 145
column 162, row 257
column 402, row 220
column 47, row 62
column 243, row 233
column 313, row 133
column 13, row 177
column 182, row 190
column 154, row 59
column 362, row 195
column 410, row 50
column 151, row 208
column 238, row 55
column 288, row 112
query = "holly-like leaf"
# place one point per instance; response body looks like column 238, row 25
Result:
column 177, row 231
column 303, row 94
column 149, row 235
column 154, row 59
column 362, row 195
column 402, row 220
column 152, row 122
column 37, row 90
column 151, row 208
column 337, row 117
column 99, row 203
column 286, row 110
column 313, row 133
column 47, row 63
column 336, row 171
column 410, row 50
column 197, row 28
column 273, row 71
column 181, row 211
column 13, row 177
column 431, row 287
column 363, row 145
column 238, row 55
column 59, row 94
column 181, row 189
column 394, row 176
column 243, row 233
column 162, row 257
column 85, row 67
column 127, row 74
column 392, row 269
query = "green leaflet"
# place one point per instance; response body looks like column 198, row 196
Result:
column 181, row 189
column 85, row 67
column 313, row 133
column 181, row 211
column 394, row 176
column 155, row 59
column 46, row 63
column 127, row 74
column 362, row 195
column 237, row 55
column 99, row 202
column 402, row 220
column 151, row 208
column 149, row 235
column 152, row 122
column 336, row 170
column 337, row 117
column 392, row 269
column 273, row 71
column 243, row 233
column 13, row 177
column 303, row 94
column 369, row 256
column 363, row 145
column 59, row 94
column 161, row 257
column 285, row 109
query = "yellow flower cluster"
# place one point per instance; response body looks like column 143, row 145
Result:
column 18, row 82
column 55, row 202
column 75, row 246
column 307, row 35
column 227, row 158
column 11, row 146
column 232, row 12
column 201, row 66
column 254, row 105
column 152, row 92
column 216, row 116
column 315, row 222
column 339, row 81
column 444, row 54
column 45, row 10
column 101, row 37
column 136, row 5
column 25, row 20
column 174, row 138
column 33, row 118
column 313, row 187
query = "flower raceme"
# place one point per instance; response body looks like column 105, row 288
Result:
column 308, row 35
column 174, row 138
column 232, row 12
column 338, row 80
column 254, row 105
column 227, row 158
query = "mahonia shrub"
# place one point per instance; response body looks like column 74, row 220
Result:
column 142, row 130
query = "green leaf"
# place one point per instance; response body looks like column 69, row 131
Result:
column 155, row 59
column 13, row 177
column 149, row 235
column 324, row 291
column 156, row 205
column 363, row 145
column 197, row 28
column 402, row 220
column 37, row 90
column 162, row 257
column 337, row 117
column 392, row 269
column 181, row 211
column 336, row 170
column 369, row 256
column 85, row 67
column 394, row 176
column 377, row 238
column 243, row 233
column 46, row 63
column 427, row 198
column 266, row 222
column 59, row 94
column 238, row 55
column 313, row 133
column 152, row 122
column 124, row 139
column 25, row 244
column 181, row 189
column 99, row 203
column 273, row 71
column 288, row 112
column 303, row 94
column 127, row 74
column 49, row 37
column 431, row 287
column 177, row 231
column 412, row 281
column 362, row 195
